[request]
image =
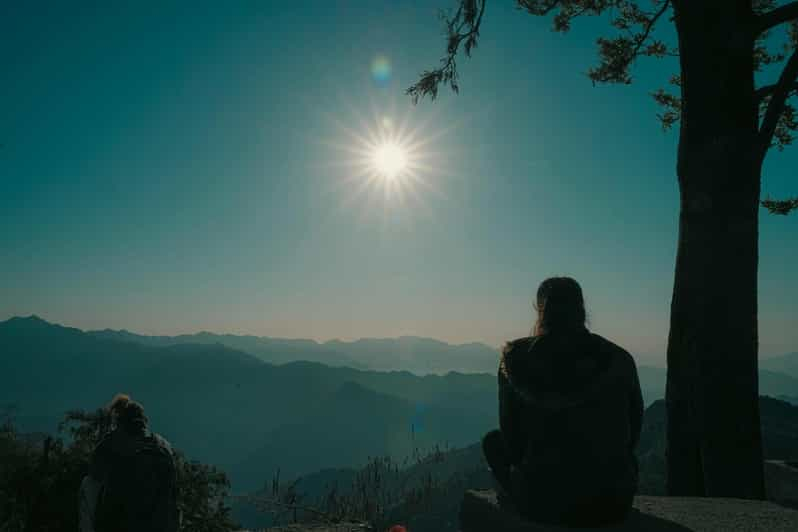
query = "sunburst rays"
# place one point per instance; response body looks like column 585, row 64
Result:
column 386, row 160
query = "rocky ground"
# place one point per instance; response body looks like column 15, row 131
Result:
column 481, row 513
column 341, row 527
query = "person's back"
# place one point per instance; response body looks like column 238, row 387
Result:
column 570, row 415
column 136, row 471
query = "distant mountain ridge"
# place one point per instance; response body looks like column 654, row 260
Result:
column 422, row 356
column 787, row 364
column 271, row 350
column 228, row 407
column 417, row 355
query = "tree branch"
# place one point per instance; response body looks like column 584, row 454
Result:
column 536, row 9
column 767, row 90
column 468, row 18
column 780, row 93
column 773, row 18
column 618, row 54
column 781, row 207
column 650, row 26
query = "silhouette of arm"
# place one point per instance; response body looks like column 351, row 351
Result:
column 635, row 408
column 509, row 421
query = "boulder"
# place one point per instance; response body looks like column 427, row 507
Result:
column 480, row 512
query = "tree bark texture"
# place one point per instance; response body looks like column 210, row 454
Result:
column 714, row 444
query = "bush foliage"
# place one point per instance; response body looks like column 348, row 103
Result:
column 40, row 476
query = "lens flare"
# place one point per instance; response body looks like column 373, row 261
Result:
column 381, row 70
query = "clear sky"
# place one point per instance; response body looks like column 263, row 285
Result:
column 170, row 167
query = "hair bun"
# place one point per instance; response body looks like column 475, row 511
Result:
column 119, row 402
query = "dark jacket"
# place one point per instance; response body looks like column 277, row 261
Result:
column 570, row 411
column 137, row 475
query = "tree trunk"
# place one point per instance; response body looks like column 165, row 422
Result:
column 714, row 445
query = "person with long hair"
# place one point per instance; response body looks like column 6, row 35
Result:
column 131, row 486
column 570, row 414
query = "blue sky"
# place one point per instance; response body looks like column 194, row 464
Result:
column 170, row 167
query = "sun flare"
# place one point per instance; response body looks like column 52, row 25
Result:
column 389, row 160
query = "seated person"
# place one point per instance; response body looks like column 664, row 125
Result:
column 131, row 485
column 570, row 413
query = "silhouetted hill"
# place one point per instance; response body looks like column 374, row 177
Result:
column 774, row 384
column 222, row 405
column 354, row 422
column 790, row 399
column 786, row 364
column 421, row 356
column 271, row 350
column 652, row 383
column 779, row 439
column 771, row 383
column 779, row 429
column 227, row 407
column 460, row 469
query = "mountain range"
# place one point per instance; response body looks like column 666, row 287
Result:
column 262, row 406
column 425, row 356
column 227, row 407
column 786, row 364
column 421, row 356
column 453, row 471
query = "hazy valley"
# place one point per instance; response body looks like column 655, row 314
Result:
column 231, row 407
column 255, row 405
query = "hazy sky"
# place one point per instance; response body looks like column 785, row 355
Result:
column 172, row 167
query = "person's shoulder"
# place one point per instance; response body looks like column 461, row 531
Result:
column 514, row 351
column 108, row 442
column 616, row 351
column 519, row 343
column 162, row 442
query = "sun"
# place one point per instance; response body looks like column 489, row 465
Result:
column 389, row 159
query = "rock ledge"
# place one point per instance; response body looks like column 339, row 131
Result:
column 481, row 513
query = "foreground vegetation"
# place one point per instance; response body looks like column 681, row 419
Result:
column 40, row 477
column 424, row 493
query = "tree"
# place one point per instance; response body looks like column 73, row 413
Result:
column 727, row 126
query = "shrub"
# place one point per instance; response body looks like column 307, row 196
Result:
column 40, row 477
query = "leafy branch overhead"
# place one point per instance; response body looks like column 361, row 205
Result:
column 636, row 37
column 462, row 28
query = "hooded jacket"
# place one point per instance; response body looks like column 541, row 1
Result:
column 136, row 471
column 570, row 412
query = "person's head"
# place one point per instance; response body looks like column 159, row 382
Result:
column 127, row 414
column 560, row 306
